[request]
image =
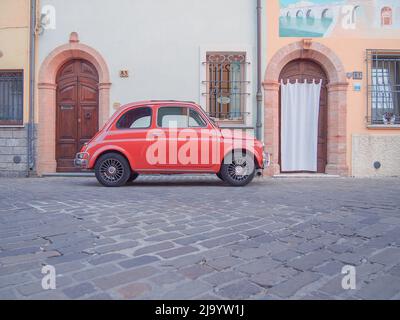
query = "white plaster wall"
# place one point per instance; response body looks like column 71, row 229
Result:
column 370, row 148
column 158, row 41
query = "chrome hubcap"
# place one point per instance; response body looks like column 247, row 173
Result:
column 111, row 170
column 239, row 169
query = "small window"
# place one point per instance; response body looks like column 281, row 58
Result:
column 11, row 97
column 226, row 85
column 383, row 87
column 172, row 117
column 138, row 118
column 178, row 117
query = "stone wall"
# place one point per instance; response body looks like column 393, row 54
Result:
column 13, row 152
column 369, row 149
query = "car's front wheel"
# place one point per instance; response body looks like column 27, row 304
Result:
column 112, row 170
column 238, row 169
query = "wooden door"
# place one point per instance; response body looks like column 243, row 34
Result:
column 308, row 70
column 77, row 110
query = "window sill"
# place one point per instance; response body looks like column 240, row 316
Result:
column 383, row 126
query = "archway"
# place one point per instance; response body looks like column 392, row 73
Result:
column 47, row 96
column 337, row 102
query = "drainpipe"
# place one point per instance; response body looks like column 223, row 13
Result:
column 31, row 123
column 259, row 71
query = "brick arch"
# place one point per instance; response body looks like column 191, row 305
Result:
column 47, row 95
column 337, row 102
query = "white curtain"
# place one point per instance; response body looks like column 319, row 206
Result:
column 299, row 125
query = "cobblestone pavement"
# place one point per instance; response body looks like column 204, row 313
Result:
column 196, row 238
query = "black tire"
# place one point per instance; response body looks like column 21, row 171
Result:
column 219, row 176
column 238, row 169
column 133, row 176
column 112, row 170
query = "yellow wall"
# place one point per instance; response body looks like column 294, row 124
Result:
column 352, row 53
column 14, row 41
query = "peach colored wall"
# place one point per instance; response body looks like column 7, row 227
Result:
column 14, row 41
column 352, row 53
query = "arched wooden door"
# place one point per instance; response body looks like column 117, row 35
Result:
column 77, row 115
column 302, row 70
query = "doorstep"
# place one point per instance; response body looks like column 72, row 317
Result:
column 305, row 175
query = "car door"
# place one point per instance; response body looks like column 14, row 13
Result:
column 189, row 139
column 130, row 133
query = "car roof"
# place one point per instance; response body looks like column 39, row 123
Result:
column 159, row 102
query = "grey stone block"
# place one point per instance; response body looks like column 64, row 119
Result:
column 79, row 290
column 243, row 289
column 289, row 288
column 177, row 252
column 139, row 261
column 384, row 287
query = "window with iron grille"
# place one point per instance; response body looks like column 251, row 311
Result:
column 11, row 97
column 226, row 85
column 383, row 87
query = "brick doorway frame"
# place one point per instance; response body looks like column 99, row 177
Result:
column 47, row 96
column 337, row 103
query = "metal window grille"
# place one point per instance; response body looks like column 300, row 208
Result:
column 226, row 85
column 383, row 76
column 11, row 97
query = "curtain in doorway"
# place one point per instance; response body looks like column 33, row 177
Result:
column 299, row 125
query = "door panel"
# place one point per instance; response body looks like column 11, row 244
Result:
column 309, row 70
column 77, row 110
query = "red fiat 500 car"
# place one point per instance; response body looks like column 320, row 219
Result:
column 169, row 137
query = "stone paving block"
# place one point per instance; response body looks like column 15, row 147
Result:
column 168, row 254
column 222, row 277
column 95, row 272
column 196, row 271
column 134, row 290
column 79, row 290
column 117, row 279
column 389, row 256
column 138, row 261
column 251, row 253
column 164, row 236
column 309, row 261
column 167, row 278
column 188, row 290
column 116, row 247
column 330, row 268
column 273, row 277
column 224, row 262
column 154, row 248
column 15, row 279
column 100, row 259
column 258, row 266
column 243, row 289
column 221, row 241
column 288, row 288
column 286, row 255
column 384, row 287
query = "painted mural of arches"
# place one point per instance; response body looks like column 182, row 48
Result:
column 386, row 16
column 355, row 13
column 326, row 14
column 299, row 14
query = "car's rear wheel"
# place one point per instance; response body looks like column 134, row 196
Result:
column 112, row 170
column 238, row 169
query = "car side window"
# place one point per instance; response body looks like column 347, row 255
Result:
column 172, row 117
column 196, row 120
column 138, row 118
